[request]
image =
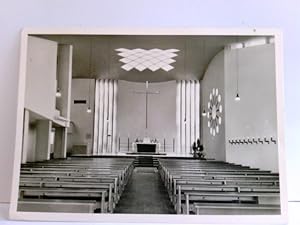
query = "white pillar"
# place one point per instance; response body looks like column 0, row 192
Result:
column 197, row 108
column 192, row 112
column 43, row 140
column 105, row 117
column 114, row 144
column 188, row 117
column 60, row 143
column 96, row 119
column 25, row 136
column 101, row 112
column 183, row 117
column 178, row 116
column 110, row 115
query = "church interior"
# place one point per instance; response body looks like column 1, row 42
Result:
column 153, row 124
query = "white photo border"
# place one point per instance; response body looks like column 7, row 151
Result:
column 150, row 218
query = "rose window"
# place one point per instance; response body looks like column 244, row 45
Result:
column 214, row 112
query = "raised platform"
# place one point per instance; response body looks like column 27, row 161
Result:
column 131, row 155
column 145, row 153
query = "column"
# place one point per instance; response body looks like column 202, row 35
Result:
column 25, row 136
column 188, row 117
column 197, row 109
column 193, row 139
column 110, row 115
column 178, row 116
column 60, row 143
column 183, row 117
column 96, row 118
column 101, row 112
column 115, row 139
column 43, row 140
column 105, row 117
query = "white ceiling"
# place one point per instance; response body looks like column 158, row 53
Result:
column 195, row 53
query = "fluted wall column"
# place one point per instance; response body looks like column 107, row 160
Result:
column 197, row 109
column 96, row 119
column 193, row 114
column 105, row 117
column 114, row 131
column 105, row 137
column 178, row 116
column 100, row 116
column 110, row 116
column 183, row 117
column 187, row 115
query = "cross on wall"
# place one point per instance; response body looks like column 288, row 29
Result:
column 146, row 93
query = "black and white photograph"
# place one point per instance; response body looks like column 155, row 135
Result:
column 149, row 124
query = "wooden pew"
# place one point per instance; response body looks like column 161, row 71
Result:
column 101, row 180
column 98, row 194
column 235, row 209
column 259, row 194
column 57, row 205
column 224, row 187
column 115, row 179
column 79, row 169
column 190, row 181
column 72, row 182
column 252, row 184
column 225, row 196
column 72, row 186
column 171, row 179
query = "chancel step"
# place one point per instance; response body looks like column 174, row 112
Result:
column 145, row 161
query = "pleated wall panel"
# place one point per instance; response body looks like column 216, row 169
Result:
column 105, row 138
column 187, row 115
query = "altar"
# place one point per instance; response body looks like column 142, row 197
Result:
column 145, row 146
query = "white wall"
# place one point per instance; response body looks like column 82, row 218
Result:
column 161, row 111
column 255, row 114
column 82, row 128
column 41, row 76
column 214, row 146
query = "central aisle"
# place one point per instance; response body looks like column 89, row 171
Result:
column 145, row 193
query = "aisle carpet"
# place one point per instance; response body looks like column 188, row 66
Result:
column 145, row 193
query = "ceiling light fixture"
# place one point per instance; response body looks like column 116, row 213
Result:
column 89, row 110
column 237, row 97
column 141, row 59
column 58, row 93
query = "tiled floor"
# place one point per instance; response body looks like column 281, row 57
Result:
column 145, row 193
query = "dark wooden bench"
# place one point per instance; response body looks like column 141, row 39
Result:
column 98, row 194
column 207, row 182
column 57, row 205
column 74, row 180
column 234, row 209
column 189, row 197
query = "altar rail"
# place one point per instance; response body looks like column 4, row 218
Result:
column 125, row 144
